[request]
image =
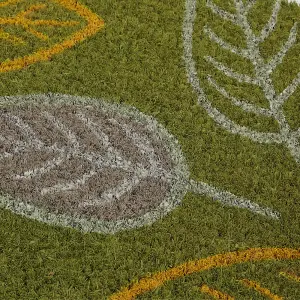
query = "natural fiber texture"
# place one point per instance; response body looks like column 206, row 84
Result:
column 149, row 149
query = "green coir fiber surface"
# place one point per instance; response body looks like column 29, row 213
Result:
column 139, row 59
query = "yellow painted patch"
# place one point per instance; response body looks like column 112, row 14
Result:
column 214, row 293
column 9, row 2
column 220, row 260
column 13, row 39
column 290, row 276
column 264, row 291
column 95, row 23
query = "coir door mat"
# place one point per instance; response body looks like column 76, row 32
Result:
column 149, row 149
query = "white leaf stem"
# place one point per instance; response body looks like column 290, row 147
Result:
column 243, row 104
column 230, row 199
column 268, row 28
column 73, row 185
column 25, row 130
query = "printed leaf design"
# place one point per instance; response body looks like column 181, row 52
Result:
column 23, row 19
column 45, row 46
column 93, row 165
column 221, row 262
column 262, row 77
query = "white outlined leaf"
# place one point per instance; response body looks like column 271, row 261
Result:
column 262, row 77
column 93, row 165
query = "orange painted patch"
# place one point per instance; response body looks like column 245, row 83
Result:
column 220, row 260
column 95, row 23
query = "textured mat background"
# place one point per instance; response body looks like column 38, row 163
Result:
column 142, row 58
